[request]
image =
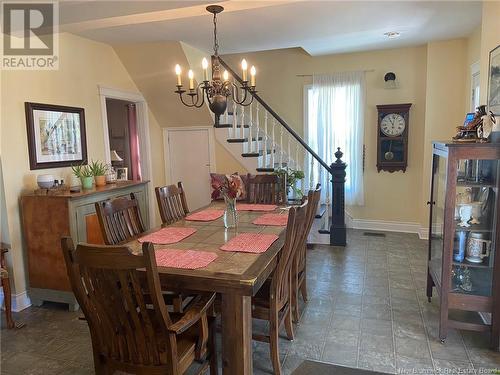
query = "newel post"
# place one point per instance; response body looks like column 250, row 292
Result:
column 337, row 226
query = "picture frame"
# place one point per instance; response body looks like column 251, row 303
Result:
column 121, row 174
column 494, row 81
column 56, row 135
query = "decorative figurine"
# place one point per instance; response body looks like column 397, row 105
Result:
column 468, row 132
column 486, row 127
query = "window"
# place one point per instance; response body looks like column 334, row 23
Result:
column 474, row 83
column 334, row 116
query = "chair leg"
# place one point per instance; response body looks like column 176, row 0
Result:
column 177, row 304
column 214, row 368
column 303, row 288
column 7, row 297
column 288, row 324
column 295, row 298
column 274, row 346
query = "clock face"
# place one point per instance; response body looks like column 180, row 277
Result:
column 393, row 125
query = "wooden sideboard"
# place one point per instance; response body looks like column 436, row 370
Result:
column 47, row 218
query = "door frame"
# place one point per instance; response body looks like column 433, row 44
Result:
column 168, row 160
column 142, row 130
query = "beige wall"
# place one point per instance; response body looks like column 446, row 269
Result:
column 447, row 74
column 490, row 38
column 84, row 65
column 279, row 85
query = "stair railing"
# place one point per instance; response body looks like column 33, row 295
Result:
column 337, row 170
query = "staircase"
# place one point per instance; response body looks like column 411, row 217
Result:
column 263, row 142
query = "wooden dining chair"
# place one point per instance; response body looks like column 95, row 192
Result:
column 273, row 300
column 264, row 189
column 299, row 276
column 171, row 203
column 120, row 219
column 130, row 327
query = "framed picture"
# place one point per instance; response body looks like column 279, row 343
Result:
column 122, row 174
column 56, row 135
column 494, row 82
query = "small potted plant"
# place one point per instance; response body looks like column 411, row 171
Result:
column 291, row 177
column 85, row 175
column 98, row 170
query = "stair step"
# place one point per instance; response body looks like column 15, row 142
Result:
column 223, row 126
column 242, row 140
column 321, row 211
column 265, row 169
column 251, row 154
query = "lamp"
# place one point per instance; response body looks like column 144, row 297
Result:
column 390, row 81
column 115, row 156
column 219, row 89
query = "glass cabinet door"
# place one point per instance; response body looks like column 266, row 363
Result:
column 476, row 206
column 439, row 168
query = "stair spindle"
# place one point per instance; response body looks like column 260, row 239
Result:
column 265, row 138
column 304, row 164
column 281, row 146
column 242, row 129
column 250, row 126
column 235, row 120
column 257, row 124
column 296, row 164
column 273, row 144
column 289, row 154
column 311, row 174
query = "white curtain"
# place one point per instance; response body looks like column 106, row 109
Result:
column 336, row 119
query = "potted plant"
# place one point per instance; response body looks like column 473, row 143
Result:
column 98, row 170
column 291, row 176
column 85, row 175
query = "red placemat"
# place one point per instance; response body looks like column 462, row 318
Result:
column 205, row 215
column 168, row 235
column 250, row 242
column 255, row 207
column 190, row 259
column 272, row 219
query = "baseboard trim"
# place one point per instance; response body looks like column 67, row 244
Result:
column 383, row 225
column 20, row 301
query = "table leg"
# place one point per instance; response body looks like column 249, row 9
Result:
column 236, row 334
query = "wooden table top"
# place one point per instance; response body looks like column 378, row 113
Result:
column 239, row 272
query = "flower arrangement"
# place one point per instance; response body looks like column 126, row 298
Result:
column 231, row 188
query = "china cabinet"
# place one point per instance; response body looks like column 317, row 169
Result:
column 464, row 237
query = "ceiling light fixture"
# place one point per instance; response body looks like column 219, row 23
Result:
column 219, row 89
column 392, row 34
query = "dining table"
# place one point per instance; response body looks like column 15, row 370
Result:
column 236, row 276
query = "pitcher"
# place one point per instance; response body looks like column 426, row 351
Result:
column 477, row 247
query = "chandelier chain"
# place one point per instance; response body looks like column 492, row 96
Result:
column 216, row 42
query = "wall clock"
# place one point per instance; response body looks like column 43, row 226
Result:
column 392, row 137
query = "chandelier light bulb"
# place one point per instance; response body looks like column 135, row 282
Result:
column 204, row 65
column 253, row 72
column 178, row 72
column 244, row 68
column 191, row 79
column 225, row 75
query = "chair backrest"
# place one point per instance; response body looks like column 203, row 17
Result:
column 313, row 198
column 294, row 234
column 171, row 203
column 124, row 308
column 264, row 188
column 120, row 219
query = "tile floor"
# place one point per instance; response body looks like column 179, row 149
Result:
column 367, row 309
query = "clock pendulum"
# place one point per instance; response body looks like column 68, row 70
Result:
column 389, row 155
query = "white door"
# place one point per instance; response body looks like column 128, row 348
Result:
column 188, row 158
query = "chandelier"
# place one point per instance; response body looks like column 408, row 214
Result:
column 219, row 89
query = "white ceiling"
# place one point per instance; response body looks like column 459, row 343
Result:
column 319, row 27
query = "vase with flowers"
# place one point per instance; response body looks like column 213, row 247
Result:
column 230, row 189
